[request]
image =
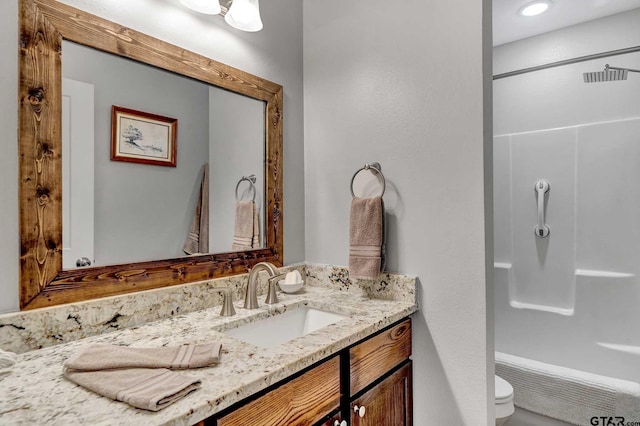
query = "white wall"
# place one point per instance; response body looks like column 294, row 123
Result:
column 405, row 88
column 237, row 149
column 610, row 33
column 275, row 53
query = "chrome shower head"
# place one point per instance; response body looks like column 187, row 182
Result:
column 609, row 74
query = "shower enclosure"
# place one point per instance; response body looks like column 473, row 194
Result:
column 567, row 271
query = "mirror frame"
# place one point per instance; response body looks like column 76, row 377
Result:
column 43, row 282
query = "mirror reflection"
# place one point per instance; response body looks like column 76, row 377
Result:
column 123, row 211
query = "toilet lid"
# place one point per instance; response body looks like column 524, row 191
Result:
column 504, row 390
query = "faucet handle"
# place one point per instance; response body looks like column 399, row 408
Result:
column 227, row 301
column 272, row 297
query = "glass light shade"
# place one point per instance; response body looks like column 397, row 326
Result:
column 209, row 7
column 535, row 8
column 244, row 15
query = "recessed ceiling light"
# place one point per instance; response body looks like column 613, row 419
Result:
column 534, row 8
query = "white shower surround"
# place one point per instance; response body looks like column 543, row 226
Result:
column 570, row 300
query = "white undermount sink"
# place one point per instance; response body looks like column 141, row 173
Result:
column 287, row 326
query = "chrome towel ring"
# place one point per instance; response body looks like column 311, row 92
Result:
column 252, row 180
column 376, row 168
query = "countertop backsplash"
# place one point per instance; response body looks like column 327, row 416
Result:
column 31, row 330
column 387, row 286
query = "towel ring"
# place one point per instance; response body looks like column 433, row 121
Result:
column 376, row 168
column 252, row 180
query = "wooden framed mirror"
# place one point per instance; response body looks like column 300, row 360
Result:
column 44, row 24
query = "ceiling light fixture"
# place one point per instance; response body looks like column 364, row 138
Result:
column 535, row 8
column 243, row 15
column 208, row 7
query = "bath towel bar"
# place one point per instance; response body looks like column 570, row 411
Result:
column 252, row 180
column 372, row 166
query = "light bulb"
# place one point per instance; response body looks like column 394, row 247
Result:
column 244, row 15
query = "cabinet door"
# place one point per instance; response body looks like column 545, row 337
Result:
column 378, row 355
column 334, row 420
column 389, row 403
column 304, row 400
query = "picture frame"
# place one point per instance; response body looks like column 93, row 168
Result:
column 142, row 137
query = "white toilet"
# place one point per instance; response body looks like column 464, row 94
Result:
column 504, row 401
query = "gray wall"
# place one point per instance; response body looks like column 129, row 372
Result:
column 275, row 53
column 406, row 89
column 237, row 149
column 9, row 241
column 142, row 212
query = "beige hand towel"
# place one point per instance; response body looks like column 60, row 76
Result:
column 147, row 388
column 366, row 237
column 255, row 241
column 198, row 237
column 140, row 376
column 108, row 357
column 244, row 226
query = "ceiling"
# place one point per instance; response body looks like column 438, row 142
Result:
column 509, row 25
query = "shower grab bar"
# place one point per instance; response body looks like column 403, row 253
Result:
column 541, row 229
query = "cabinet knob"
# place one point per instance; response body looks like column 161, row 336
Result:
column 360, row 410
column 340, row 423
column 83, row 261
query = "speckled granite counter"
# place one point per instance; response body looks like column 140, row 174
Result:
column 35, row 392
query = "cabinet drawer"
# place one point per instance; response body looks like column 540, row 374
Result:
column 304, row 400
column 379, row 354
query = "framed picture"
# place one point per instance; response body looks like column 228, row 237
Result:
column 140, row 137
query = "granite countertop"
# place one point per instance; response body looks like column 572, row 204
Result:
column 35, row 392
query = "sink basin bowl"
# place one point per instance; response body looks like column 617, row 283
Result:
column 278, row 329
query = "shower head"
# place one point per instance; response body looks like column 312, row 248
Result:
column 609, row 74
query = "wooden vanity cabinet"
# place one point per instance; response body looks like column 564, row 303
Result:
column 380, row 379
column 331, row 420
column 374, row 373
column 387, row 403
column 304, row 400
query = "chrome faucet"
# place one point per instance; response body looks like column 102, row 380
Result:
column 251, row 297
